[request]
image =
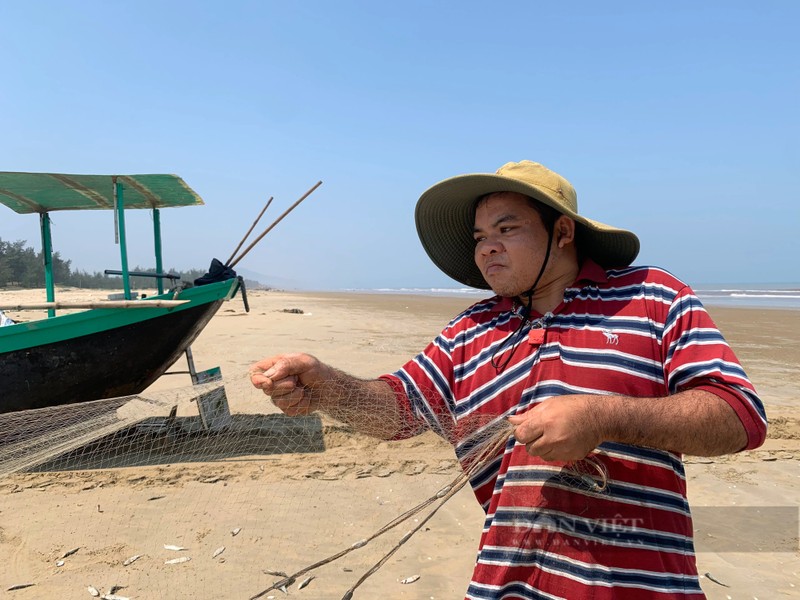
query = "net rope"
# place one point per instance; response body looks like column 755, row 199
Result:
column 232, row 500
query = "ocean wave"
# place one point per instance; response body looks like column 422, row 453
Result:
column 429, row 291
column 752, row 295
column 745, row 296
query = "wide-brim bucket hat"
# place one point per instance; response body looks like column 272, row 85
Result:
column 445, row 219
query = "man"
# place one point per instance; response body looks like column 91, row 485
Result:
column 595, row 363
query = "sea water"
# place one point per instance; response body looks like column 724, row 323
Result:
column 743, row 295
column 761, row 295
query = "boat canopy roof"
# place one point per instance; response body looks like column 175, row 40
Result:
column 44, row 192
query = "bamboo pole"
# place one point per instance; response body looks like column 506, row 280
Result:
column 278, row 220
column 101, row 304
column 258, row 218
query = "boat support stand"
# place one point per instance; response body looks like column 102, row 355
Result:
column 215, row 415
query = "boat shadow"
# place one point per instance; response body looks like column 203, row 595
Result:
column 161, row 440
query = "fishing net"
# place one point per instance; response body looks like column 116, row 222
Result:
column 211, row 488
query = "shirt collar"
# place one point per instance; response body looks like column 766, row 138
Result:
column 591, row 272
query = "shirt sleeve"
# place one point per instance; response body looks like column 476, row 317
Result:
column 424, row 390
column 696, row 356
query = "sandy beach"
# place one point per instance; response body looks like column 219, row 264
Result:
column 278, row 496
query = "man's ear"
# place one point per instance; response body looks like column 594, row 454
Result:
column 564, row 231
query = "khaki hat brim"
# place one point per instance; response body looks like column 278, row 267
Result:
column 444, row 219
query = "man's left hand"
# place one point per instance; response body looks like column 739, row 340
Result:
column 562, row 428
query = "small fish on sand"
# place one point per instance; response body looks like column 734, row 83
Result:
column 70, row 552
column 710, row 577
column 175, row 548
column 305, row 582
column 131, row 560
column 113, row 597
column 60, row 563
column 411, row 579
column 19, row 586
column 236, row 531
column 218, row 551
column 177, row 561
column 275, row 573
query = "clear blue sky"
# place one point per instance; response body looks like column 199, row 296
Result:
column 678, row 120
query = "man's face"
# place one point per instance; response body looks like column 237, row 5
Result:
column 510, row 242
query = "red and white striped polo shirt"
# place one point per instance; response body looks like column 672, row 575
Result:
column 549, row 533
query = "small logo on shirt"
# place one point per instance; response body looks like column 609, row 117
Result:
column 611, row 337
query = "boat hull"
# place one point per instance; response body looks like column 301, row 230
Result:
column 100, row 353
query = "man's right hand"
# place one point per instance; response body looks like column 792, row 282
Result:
column 286, row 379
column 300, row 384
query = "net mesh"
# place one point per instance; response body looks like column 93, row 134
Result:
column 147, row 494
column 130, row 480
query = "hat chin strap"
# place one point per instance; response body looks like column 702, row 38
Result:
column 515, row 337
column 532, row 290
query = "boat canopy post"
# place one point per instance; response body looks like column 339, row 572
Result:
column 157, row 240
column 47, row 254
column 119, row 206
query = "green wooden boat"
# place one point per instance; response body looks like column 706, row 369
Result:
column 117, row 348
